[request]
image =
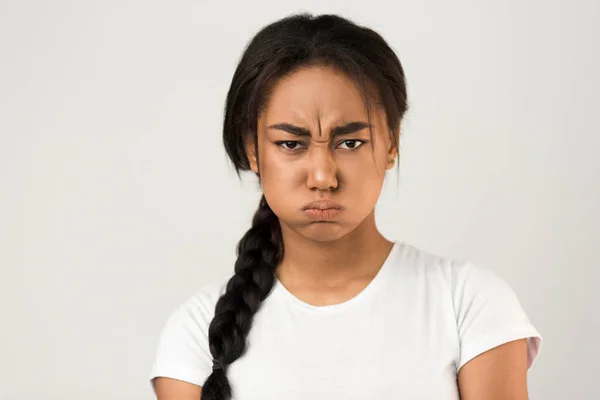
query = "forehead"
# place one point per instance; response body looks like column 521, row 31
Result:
column 316, row 94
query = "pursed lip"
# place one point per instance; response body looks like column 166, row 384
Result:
column 322, row 205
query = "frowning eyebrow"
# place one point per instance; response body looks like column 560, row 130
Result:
column 338, row 130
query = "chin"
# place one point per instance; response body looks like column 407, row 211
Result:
column 323, row 231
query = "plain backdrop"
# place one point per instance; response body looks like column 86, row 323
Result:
column 117, row 201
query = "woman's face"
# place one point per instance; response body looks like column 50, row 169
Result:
column 314, row 145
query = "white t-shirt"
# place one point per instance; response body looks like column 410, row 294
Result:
column 406, row 335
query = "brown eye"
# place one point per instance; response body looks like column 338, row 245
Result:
column 351, row 144
column 289, row 145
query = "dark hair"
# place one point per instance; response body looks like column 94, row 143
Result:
column 278, row 49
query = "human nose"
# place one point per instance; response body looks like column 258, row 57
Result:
column 322, row 169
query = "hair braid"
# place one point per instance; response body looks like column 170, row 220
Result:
column 259, row 252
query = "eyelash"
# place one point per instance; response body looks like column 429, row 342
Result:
column 282, row 142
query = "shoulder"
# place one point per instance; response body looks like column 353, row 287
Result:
column 466, row 282
column 183, row 348
column 486, row 309
column 191, row 317
column 458, row 274
column 200, row 305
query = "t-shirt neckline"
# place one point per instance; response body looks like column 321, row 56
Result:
column 279, row 288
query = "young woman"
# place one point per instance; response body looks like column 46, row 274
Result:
column 321, row 305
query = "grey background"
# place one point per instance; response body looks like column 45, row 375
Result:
column 117, row 201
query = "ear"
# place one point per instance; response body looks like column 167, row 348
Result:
column 391, row 160
column 391, row 155
column 251, row 148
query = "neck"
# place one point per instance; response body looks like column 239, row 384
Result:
column 358, row 255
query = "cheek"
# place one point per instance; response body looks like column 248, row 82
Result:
column 363, row 181
column 277, row 173
column 368, row 169
column 271, row 168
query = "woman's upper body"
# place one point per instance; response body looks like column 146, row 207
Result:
column 408, row 334
column 320, row 304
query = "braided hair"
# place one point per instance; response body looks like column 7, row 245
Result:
column 276, row 50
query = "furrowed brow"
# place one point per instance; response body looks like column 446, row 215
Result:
column 338, row 130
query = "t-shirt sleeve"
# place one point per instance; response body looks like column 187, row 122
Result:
column 183, row 352
column 488, row 314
